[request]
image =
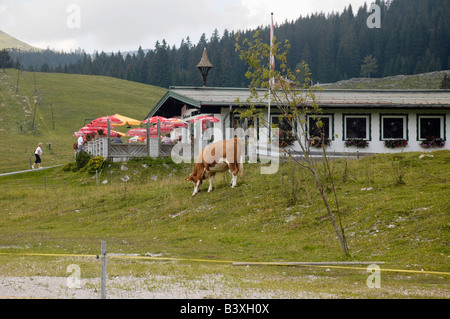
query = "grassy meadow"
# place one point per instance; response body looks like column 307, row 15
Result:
column 401, row 220
column 395, row 208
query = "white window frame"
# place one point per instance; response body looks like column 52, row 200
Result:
column 434, row 116
column 368, row 126
column 395, row 116
column 330, row 118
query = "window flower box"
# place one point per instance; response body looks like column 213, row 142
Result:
column 317, row 141
column 286, row 138
column 396, row 143
column 432, row 142
column 358, row 142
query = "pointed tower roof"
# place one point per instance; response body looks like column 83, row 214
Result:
column 204, row 62
column 204, row 66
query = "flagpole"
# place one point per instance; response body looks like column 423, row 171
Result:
column 272, row 64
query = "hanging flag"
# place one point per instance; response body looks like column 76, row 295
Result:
column 272, row 58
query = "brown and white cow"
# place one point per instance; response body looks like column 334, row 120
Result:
column 218, row 157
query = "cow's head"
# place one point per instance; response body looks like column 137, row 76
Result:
column 194, row 178
column 197, row 177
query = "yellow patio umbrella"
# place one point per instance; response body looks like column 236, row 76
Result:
column 127, row 120
column 116, row 120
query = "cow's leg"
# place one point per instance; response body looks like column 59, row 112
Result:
column 234, row 170
column 211, row 179
column 196, row 188
column 234, row 181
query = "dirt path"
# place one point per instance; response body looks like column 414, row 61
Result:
column 154, row 287
column 28, row 170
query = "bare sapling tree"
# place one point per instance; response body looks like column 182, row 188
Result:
column 291, row 94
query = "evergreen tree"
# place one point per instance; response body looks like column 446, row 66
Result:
column 369, row 66
column 414, row 38
column 5, row 59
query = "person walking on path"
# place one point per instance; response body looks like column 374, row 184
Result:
column 38, row 154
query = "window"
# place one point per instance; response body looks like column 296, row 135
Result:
column 326, row 129
column 282, row 122
column 393, row 127
column 430, row 126
column 356, row 127
column 249, row 124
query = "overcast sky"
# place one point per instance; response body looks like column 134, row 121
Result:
column 113, row 25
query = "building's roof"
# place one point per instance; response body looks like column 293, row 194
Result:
column 200, row 97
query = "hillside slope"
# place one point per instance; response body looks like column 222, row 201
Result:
column 424, row 81
column 394, row 209
column 74, row 98
column 7, row 41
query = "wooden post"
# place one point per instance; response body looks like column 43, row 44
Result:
column 34, row 115
column 96, row 176
column 148, row 138
column 34, row 80
column 103, row 279
column 108, row 135
column 158, row 130
column 53, row 117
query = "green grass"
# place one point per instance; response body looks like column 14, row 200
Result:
column 74, row 98
column 404, row 225
column 426, row 81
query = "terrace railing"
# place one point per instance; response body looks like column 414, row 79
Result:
column 118, row 152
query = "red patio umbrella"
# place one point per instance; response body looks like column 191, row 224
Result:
column 103, row 121
column 164, row 128
column 90, row 129
column 94, row 129
column 142, row 132
column 176, row 122
column 85, row 130
column 155, row 119
column 204, row 119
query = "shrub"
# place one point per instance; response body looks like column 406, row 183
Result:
column 95, row 163
column 70, row 167
column 82, row 159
